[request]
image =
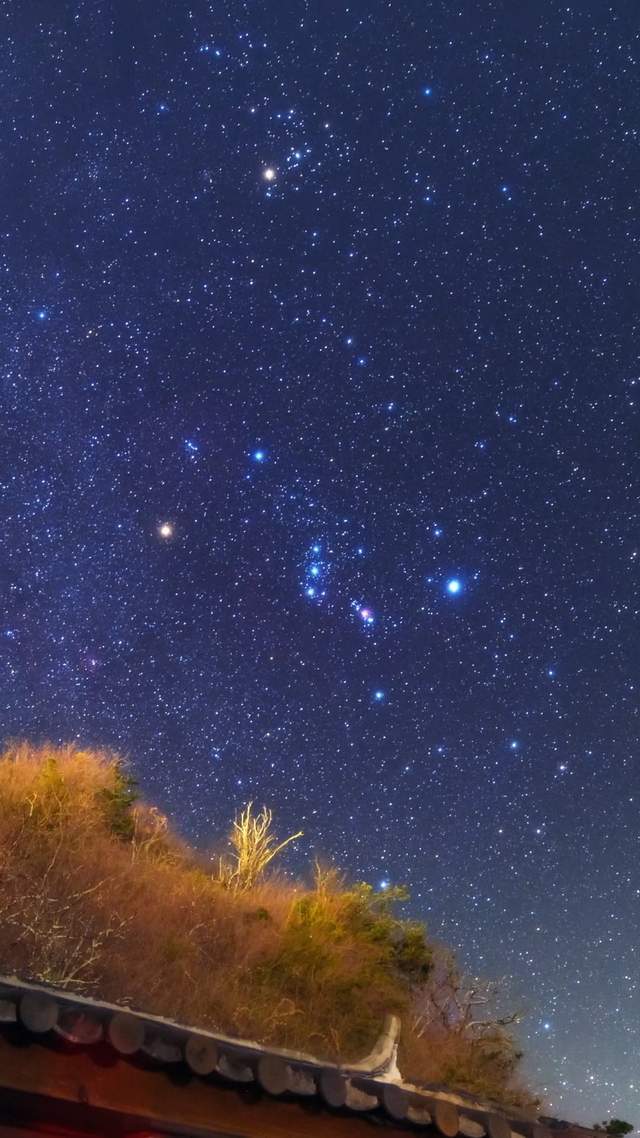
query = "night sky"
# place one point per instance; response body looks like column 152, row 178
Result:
column 318, row 470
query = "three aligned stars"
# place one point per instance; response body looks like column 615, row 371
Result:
column 453, row 587
column 316, row 569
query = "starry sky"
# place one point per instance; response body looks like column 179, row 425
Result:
column 318, row 470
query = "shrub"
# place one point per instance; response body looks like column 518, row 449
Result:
column 253, row 847
column 98, row 894
column 116, row 802
column 615, row 1126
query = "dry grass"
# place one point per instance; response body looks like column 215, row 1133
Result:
column 486, row 1067
column 97, row 894
column 254, row 846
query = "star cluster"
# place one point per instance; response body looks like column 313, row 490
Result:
column 318, row 475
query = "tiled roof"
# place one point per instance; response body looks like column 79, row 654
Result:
column 372, row 1086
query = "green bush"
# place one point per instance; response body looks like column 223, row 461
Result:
column 116, row 802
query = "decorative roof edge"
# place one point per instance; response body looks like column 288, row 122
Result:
column 368, row 1085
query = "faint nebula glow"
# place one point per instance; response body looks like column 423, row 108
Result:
column 366, row 615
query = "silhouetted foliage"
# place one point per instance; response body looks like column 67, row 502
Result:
column 616, row 1126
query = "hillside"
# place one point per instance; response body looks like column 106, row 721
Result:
column 98, row 895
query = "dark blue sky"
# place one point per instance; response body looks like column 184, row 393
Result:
column 345, row 298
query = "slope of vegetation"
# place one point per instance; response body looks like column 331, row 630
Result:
column 99, row 896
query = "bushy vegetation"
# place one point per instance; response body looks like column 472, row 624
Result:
column 616, row 1126
column 98, row 895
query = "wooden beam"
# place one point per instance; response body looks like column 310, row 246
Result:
column 163, row 1099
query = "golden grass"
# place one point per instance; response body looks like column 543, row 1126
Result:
column 98, row 895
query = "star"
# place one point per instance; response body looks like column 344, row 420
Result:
column 269, row 174
column 378, row 696
column 259, row 455
column 166, row 530
column 454, row 586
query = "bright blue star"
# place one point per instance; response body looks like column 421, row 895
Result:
column 551, row 673
column 427, row 91
column 514, row 745
column 315, row 570
column 454, row 586
column 315, row 548
column 41, row 314
column 378, row 696
column 191, row 447
column 259, row 455
column 384, row 884
column 310, row 591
